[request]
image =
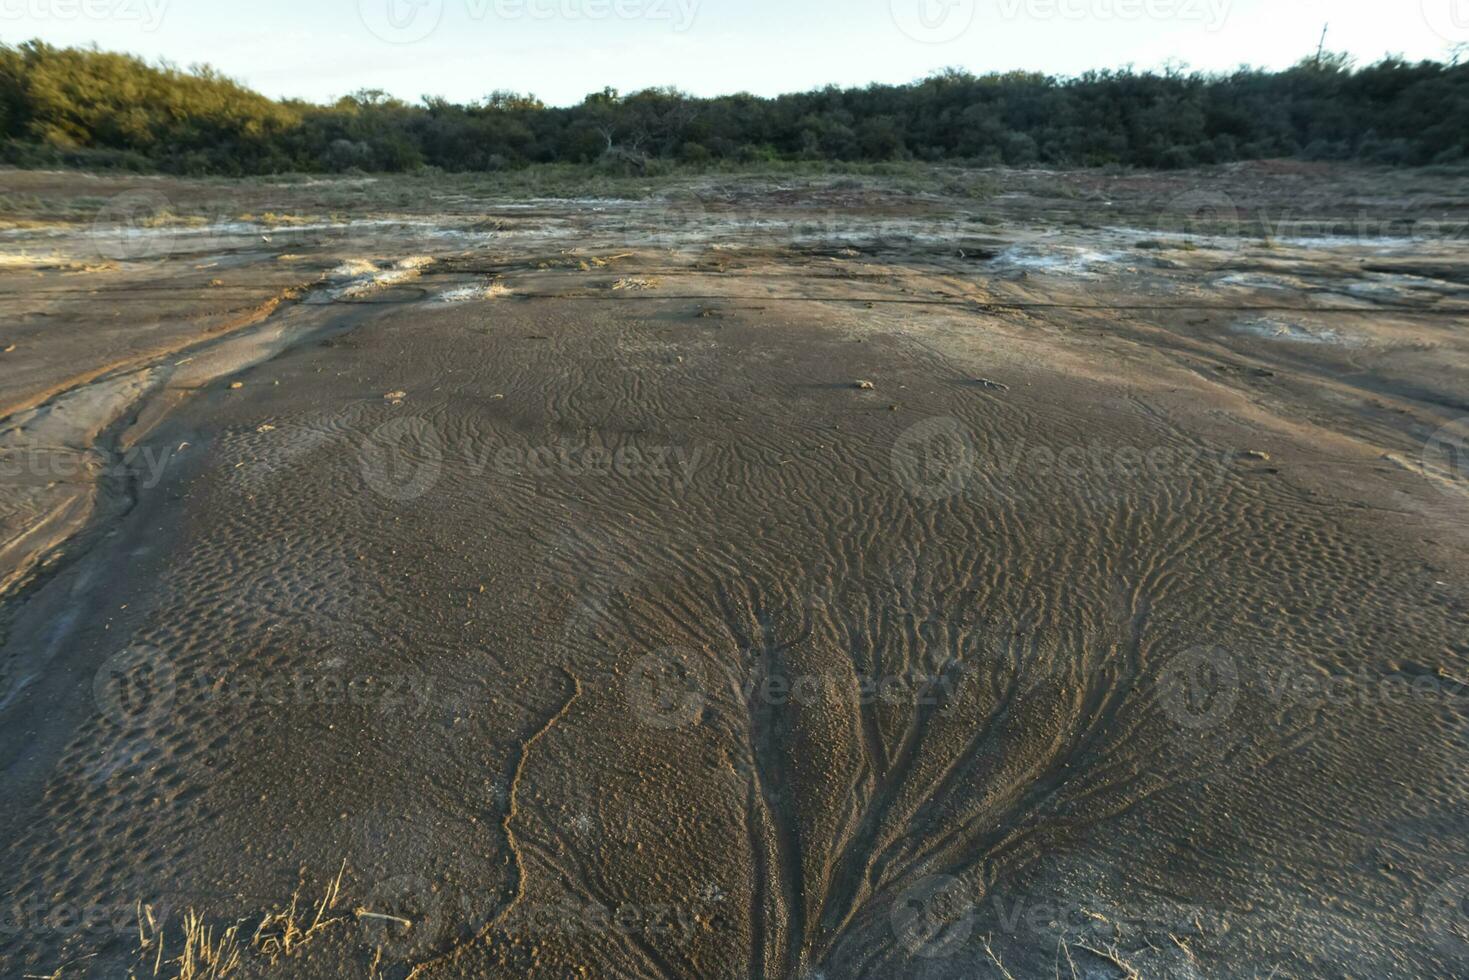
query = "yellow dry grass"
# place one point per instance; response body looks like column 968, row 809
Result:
column 209, row 954
column 281, row 934
column 205, row 955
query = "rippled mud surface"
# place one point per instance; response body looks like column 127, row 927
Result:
column 764, row 582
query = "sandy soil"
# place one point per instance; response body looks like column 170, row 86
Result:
column 767, row 578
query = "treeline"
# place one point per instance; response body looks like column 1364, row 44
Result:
column 93, row 108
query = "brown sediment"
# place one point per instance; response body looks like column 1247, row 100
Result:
column 507, row 825
column 236, row 321
column 1091, row 542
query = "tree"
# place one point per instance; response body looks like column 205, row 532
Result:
column 60, row 105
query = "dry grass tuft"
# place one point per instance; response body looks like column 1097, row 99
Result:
column 995, row 959
column 206, row 955
column 1112, row 956
column 280, row 934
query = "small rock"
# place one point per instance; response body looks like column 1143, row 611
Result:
column 9, row 349
column 396, row 397
column 267, row 427
column 1257, row 455
column 236, row 385
column 866, row 386
column 992, row 385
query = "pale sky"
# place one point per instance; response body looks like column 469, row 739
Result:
column 563, row 49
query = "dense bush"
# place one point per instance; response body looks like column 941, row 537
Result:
column 92, row 108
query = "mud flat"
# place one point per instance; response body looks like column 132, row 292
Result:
column 788, row 581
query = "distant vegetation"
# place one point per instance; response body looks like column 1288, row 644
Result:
column 96, row 109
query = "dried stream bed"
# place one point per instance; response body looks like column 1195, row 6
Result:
column 741, row 585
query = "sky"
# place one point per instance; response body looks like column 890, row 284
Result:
column 562, row 49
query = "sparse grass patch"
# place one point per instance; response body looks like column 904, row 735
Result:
column 273, row 220
column 203, row 955
column 282, row 933
column 207, row 952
